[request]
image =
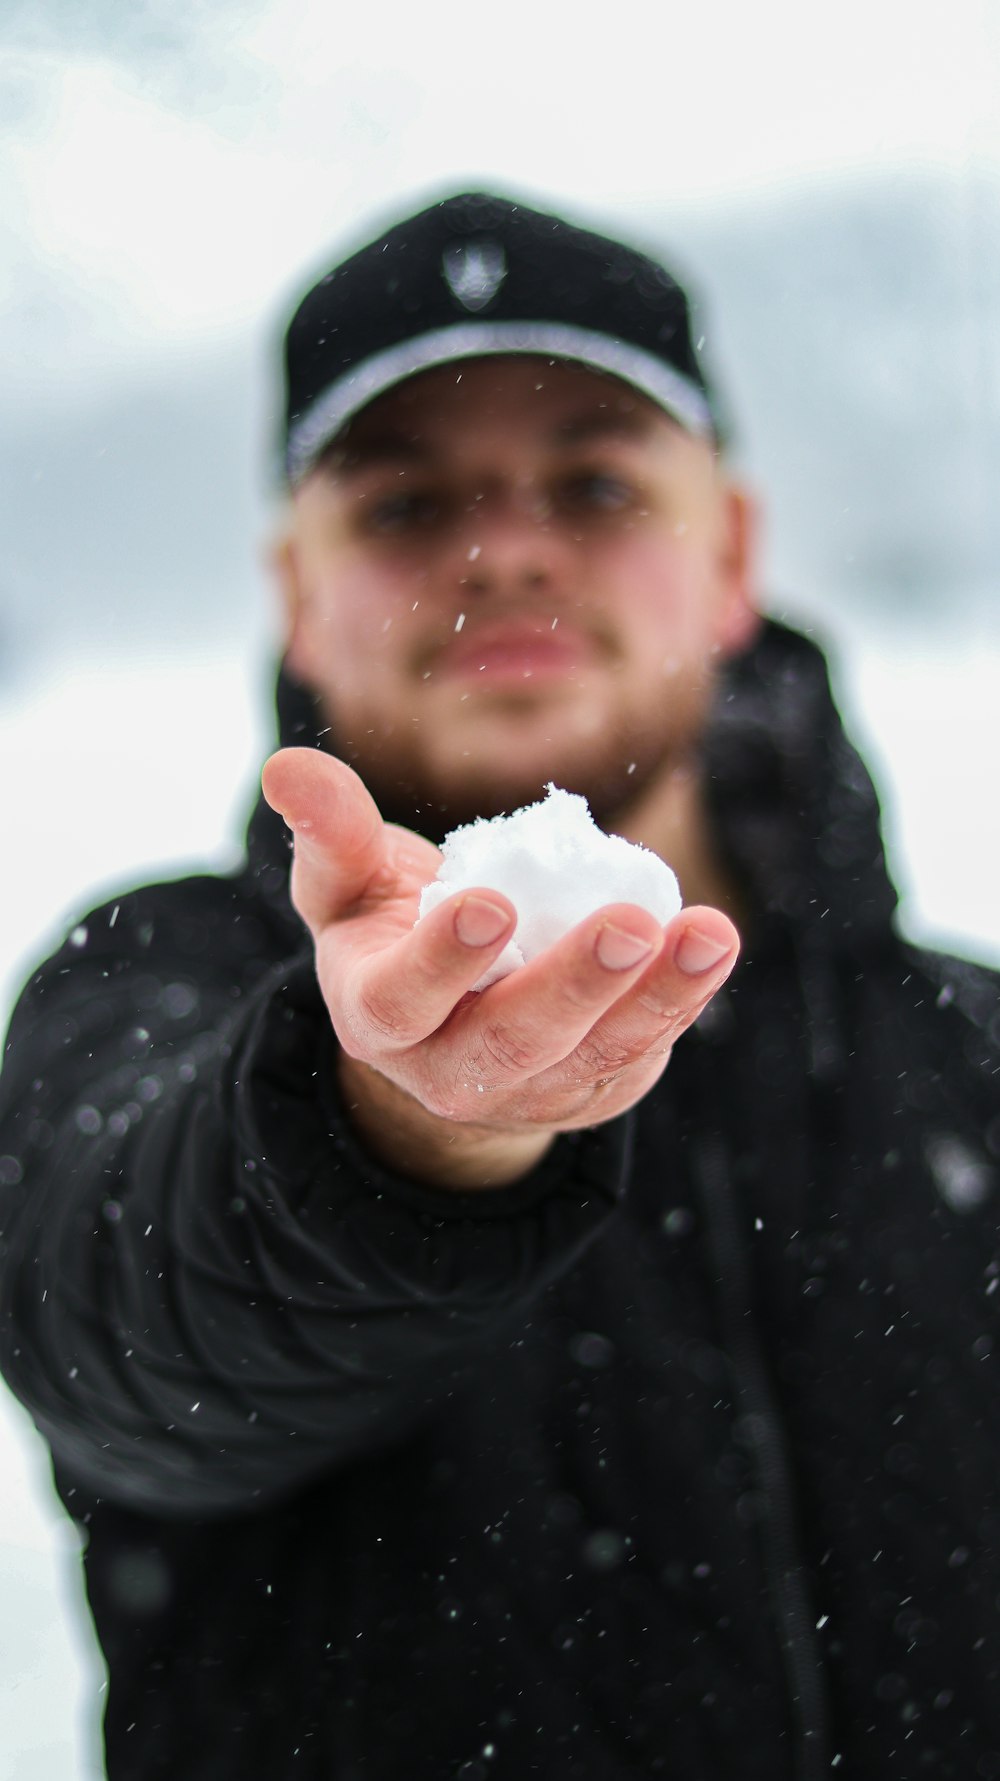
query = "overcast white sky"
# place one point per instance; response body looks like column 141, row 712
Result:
column 171, row 170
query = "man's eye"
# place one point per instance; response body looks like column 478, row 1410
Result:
column 398, row 513
column 604, row 494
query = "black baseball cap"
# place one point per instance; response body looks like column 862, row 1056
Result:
column 476, row 274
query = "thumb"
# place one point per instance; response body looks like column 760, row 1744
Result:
column 340, row 841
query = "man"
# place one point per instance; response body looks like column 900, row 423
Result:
column 447, row 1387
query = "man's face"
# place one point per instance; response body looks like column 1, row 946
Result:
column 508, row 571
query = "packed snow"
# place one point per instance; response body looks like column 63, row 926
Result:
column 556, row 866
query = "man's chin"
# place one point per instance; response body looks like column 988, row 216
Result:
column 435, row 801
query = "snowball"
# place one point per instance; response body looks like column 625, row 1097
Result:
column 556, row 866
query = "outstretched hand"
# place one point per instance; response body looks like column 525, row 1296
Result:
column 465, row 1089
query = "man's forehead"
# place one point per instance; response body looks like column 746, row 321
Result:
column 566, row 401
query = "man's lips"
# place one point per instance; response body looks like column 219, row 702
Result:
column 516, row 652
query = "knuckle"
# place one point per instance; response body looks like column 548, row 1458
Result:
column 377, row 1017
column 602, row 1056
column 500, row 1052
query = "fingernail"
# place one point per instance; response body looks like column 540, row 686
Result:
column 698, row 952
column 478, row 922
column 619, row 951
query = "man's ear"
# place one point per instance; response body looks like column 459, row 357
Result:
column 740, row 617
column 283, row 565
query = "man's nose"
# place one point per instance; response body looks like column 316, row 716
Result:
column 511, row 541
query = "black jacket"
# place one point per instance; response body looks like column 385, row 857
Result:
column 681, row 1457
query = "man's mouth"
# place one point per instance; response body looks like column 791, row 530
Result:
column 514, row 652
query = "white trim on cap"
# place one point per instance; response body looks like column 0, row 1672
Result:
column 678, row 394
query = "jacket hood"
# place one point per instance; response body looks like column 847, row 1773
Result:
column 792, row 806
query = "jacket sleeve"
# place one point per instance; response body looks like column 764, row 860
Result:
column 209, row 1293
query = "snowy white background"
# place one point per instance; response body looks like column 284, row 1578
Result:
column 171, row 177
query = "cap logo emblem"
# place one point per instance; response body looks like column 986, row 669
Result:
column 474, row 271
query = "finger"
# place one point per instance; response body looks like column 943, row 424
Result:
column 624, row 1051
column 703, row 945
column 340, row 843
column 538, row 1016
column 387, row 998
column 700, row 948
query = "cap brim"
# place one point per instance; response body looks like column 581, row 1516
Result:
column 678, row 395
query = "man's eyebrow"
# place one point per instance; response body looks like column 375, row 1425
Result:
column 352, row 457
column 630, row 424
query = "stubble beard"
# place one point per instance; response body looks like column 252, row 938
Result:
column 613, row 772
